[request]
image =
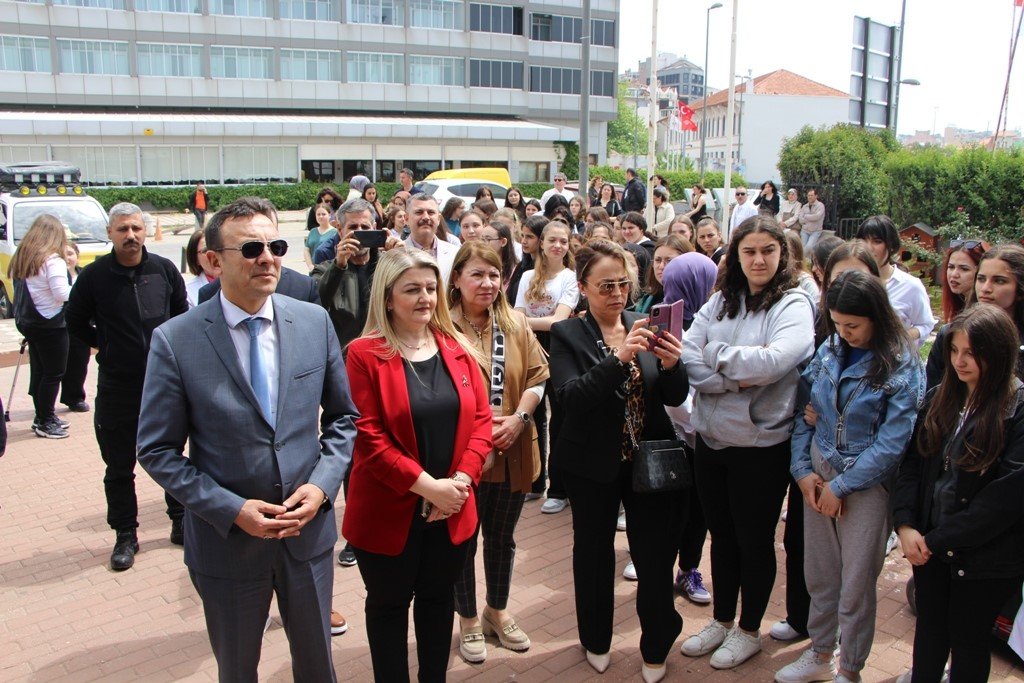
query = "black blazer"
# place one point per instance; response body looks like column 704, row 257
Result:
column 586, row 381
column 292, row 284
column 983, row 536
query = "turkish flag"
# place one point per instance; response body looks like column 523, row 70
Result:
column 688, row 124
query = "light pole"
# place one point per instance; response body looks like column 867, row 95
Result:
column 749, row 78
column 704, row 107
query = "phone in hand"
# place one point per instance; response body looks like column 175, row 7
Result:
column 665, row 318
column 370, row 239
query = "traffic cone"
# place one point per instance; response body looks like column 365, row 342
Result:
column 159, row 236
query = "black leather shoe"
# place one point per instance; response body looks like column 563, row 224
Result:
column 125, row 547
column 177, row 532
column 78, row 407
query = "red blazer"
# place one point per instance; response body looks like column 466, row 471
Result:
column 379, row 507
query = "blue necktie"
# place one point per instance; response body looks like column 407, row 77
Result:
column 258, row 368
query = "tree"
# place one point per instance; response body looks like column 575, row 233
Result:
column 847, row 156
column 627, row 134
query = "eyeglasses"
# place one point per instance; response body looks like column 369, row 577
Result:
column 966, row 244
column 491, row 239
column 606, row 287
column 252, row 250
column 741, row 194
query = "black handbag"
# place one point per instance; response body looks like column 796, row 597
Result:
column 658, row 466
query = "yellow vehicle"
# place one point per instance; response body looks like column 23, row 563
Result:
column 28, row 190
column 496, row 175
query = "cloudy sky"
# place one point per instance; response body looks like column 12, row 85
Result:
column 959, row 51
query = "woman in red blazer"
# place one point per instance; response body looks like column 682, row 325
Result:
column 424, row 434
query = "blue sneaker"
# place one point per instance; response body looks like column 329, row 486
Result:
column 691, row 584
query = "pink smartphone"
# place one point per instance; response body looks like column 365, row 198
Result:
column 666, row 318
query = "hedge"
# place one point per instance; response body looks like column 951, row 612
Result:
column 286, row 197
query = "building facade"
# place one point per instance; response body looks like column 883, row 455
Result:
column 167, row 92
column 769, row 109
column 678, row 73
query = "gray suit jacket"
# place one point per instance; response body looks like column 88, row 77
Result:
column 195, row 390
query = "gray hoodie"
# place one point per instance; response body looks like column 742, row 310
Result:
column 765, row 349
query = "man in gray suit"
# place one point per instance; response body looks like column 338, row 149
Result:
column 242, row 378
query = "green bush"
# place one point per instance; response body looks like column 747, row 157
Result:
column 286, row 197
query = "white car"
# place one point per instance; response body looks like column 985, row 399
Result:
column 463, row 188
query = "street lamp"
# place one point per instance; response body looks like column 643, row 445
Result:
column 704, row 107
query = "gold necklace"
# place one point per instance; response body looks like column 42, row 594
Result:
column 410, row 346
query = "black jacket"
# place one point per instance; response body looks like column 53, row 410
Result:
column 586, row 380
column 192, row 200
column 634, row 196
column 292, row 284
column 983, row 536
column 345, row 293
column 115, row 310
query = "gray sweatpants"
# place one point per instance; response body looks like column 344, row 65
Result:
column 842, row 560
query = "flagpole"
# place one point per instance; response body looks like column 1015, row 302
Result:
column 652, row 120
column 1015, row 37
column 730, row 125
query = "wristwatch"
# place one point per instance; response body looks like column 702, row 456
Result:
column 524, row 416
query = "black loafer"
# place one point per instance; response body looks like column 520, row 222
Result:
column 79, row 407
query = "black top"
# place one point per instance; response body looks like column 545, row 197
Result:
column 115, row 309
column 768, row 205
column 434, row 403
column 701, row 212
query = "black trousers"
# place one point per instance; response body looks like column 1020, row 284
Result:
column 655, row 524
column 427, row 569
column 47, row 358
column 236, row 612
column 72, row 387
column 956, row 617
column 498, row 507
column 548, row 419
column 695, row 531
column 741, row 491
column 798, row 600
column 116, row 421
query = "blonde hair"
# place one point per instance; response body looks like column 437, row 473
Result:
column 502, row 312
column 391, row 266
column 45, row 238
column 544, row 271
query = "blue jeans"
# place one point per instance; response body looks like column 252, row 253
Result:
column 809, row 238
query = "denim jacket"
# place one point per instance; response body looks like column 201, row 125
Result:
column 862, row 429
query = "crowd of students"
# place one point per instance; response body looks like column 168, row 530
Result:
column 494, row 355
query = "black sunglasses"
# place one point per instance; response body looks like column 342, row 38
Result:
column 741, row 194
column 252, row 250
column 966, row 244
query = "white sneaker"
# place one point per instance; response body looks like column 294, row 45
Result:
column 621, row 524
column 737, row 648
column 553, row 505
column 781, row 630
column 810, row 667
column 890, row 545
column 629, row 573
column 708, row 639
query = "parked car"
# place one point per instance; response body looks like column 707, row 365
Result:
column 495, row 174
column 464, row 188
column 28, row 190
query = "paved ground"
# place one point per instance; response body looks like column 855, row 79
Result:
column 64, row 616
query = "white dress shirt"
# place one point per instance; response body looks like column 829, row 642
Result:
column 740, row 213
column 235, row 318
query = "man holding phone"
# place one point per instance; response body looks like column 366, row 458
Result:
column 357, row 224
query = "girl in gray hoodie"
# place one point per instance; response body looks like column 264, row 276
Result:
column 743, row 354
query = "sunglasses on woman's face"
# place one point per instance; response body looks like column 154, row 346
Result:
column 606, row 287
column 252, row 250
column 966, row 244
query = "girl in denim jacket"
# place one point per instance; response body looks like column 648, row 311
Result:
column 866, row 385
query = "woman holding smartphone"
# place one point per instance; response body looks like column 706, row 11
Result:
column 743, row 354
column 614, row 389
column 865, row 384
column 960, row 499
column 424, row 434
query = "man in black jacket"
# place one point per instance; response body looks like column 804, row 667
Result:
column 634, row 195
column 115, row 305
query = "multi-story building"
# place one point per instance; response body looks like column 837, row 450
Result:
column 678, row 73
column 768, row 109
column 165, row 92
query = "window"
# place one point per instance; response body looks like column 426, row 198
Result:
column 313, row 10
column 375, row 67
column 486, row 73
column 93, row 57
column 179, row 6
column 602, row 83
column 248, row 165
column 318, row 171
column 534, row 171
column 98, row 4
column 387, row 12
column 241, row 8
column 556, row 28
column 436, row 14
column 160, row 59
column 180, row 165
column 101, row 165
column 567, row 81
column 22, row 53
column 310, row 65
column 425, row 70
column 495, row 19
column 602, row 32
column 241, row 62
